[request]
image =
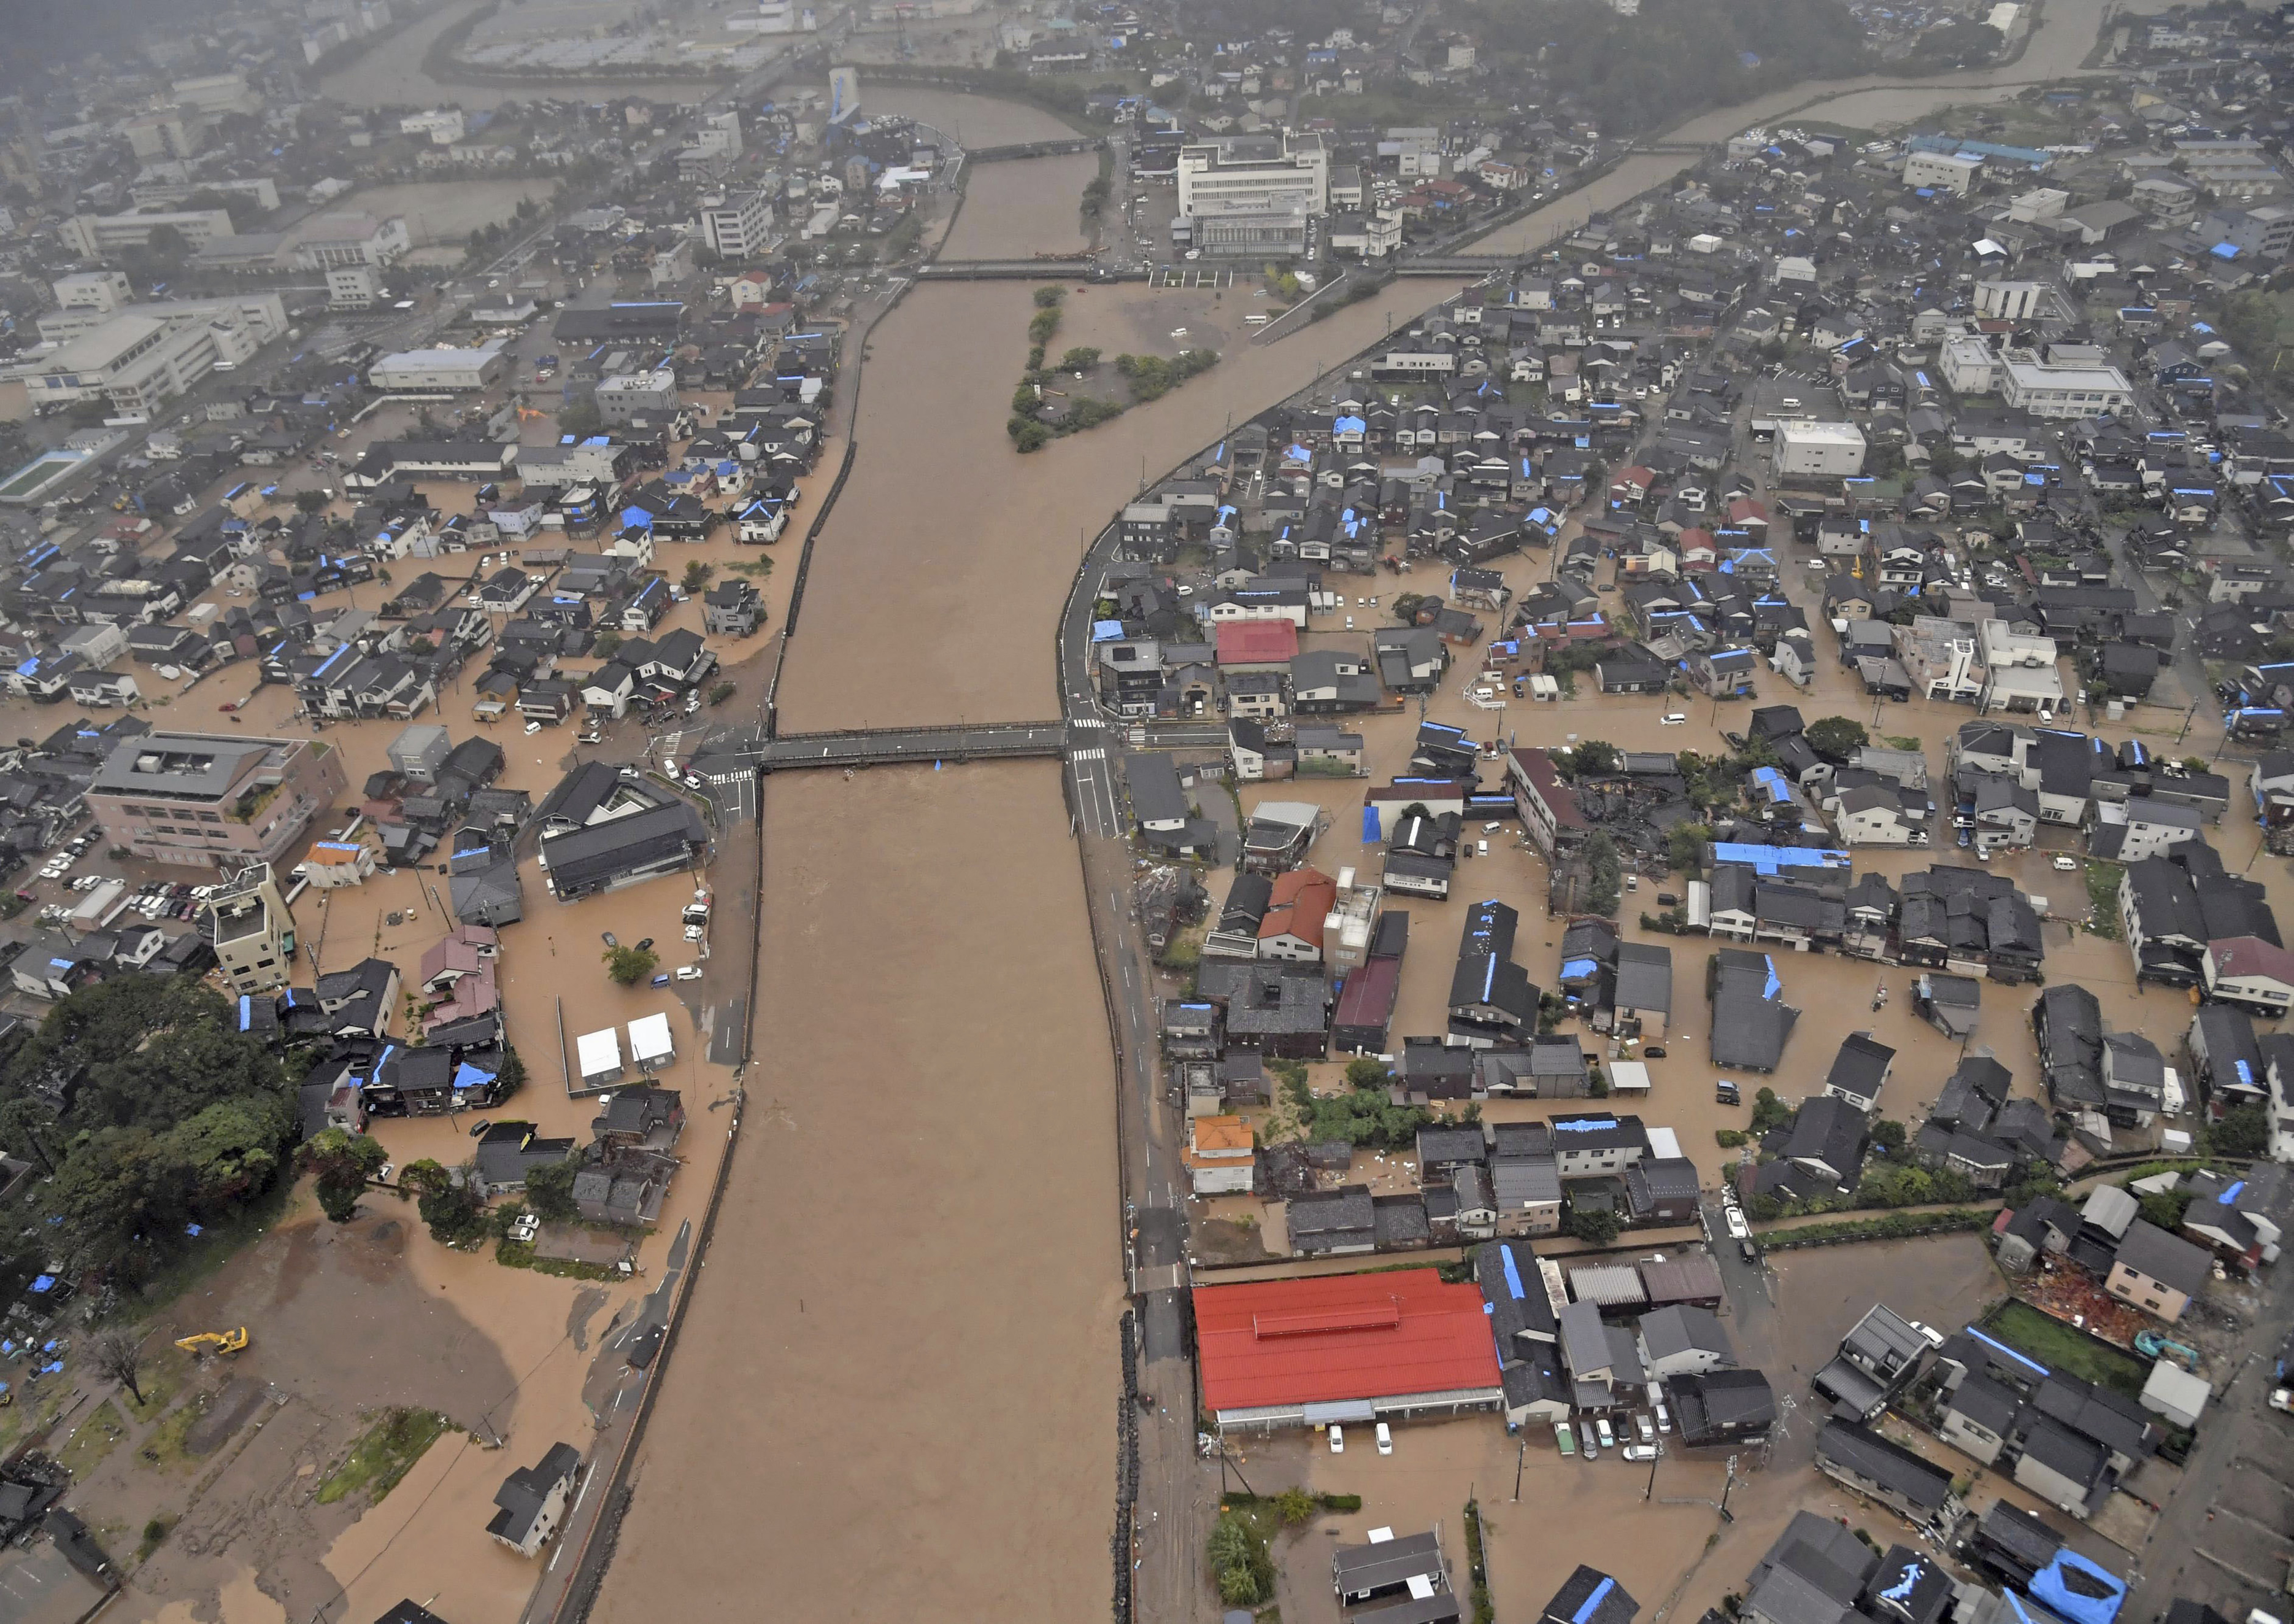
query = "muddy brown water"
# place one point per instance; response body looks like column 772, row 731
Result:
column 896, row 1372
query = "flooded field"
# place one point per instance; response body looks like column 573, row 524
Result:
column 898, row 1369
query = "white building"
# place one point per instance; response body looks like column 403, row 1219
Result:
column 100, row 236
column 1953, row 172
column 218, row 92
column 100, row 291
column 351, row 239
column 264, row 314
column 1831, row 449
column 1968, row 365
column 737, row 226
column 439, row 369
column 352, row 287
column 1284, row 174
column 137, row 363
column 2010, row 301
column 720, row 135
column 2061, row 385
column 2019, row 673
column 444, row 126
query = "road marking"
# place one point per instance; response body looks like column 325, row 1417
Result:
column 1088, row 755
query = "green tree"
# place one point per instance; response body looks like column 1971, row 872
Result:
column 1685, row 847
column 1082, row 358
column 1769, row 1111
column 1889, row 1135
column 1595, row 1226
column 2243, row 1132
column 605, row 643
column 1943, row 462
column 1367, row 1071
column 1027, row 434
column 549, row 1191
column 1592, row 757
column 1025, row 399
column 2165, row 1209
column 1836, row 737
column 1604, row 874
column 1049, row 298
column 1295, row 1505
column 310, row 501
column 720, row 692
column 580, row 417
column 628, row 966
column 343, row 1161
column 696, row 576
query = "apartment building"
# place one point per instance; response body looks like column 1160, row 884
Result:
column 198, row 798
column 737, row 226
column 138, row 362
column 253, row 931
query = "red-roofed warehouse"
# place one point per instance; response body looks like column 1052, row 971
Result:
column 1257, row 644
column 1347, row 1347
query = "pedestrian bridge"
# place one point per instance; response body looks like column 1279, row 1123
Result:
column 886, row 746
column 1454, row 265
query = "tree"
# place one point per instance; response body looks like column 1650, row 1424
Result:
column 1082, row 358
column 119, row 1355
column 549, row 1191
column 2243, row 1132
column 310, row 501
column 1367, row 1071
column 1836, row 737
column 1889, row 1135
column 1049, row 298
column 721, row 692
column 1769, row 1111
column 1595, row 1226
column 580, row 417
column 1684, row 846
column 630, row 965
column 343, row 1161
column 1295, row 1505
column 1943, row 462
column 696, row 576
column 1593, row 756
column 1605, row 883
column 605, row 643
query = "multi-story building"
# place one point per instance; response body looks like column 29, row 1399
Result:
column 200, row 799
column 172, row 132
column 101, row 236
column 253, row 931
column 260, row 188
column 2010, row 301
column 2266, row 233
column 1947, row 171
column 352, row 240
column 137, row 363
column 218, row 92
column 638, row 400
column 737, row 226
column 2067, row 381
column 1833, row 449
column 263, row 315
column 101, row 292
column 1255, row 174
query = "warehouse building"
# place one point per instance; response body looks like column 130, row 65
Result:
column 1343, row 1348
column 1834, row 451
column 454, row 370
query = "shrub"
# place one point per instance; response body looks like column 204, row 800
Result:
column 1729, row 1138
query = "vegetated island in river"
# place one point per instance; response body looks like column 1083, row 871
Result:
column 1041, row 414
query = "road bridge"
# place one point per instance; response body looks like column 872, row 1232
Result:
column 1032, row 148
column 887, row 746
column 1454, row 265
column 1022, row 270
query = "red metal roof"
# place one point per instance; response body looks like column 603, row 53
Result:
column 1340, row 1337
column 1256, row 641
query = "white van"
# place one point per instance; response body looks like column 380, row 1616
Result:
column 1260, row 320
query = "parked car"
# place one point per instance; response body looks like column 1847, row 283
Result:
column 1337, row 1439
column 1384, row 1439
column 689, row 973
column 1608, row 1438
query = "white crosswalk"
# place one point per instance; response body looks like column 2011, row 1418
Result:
column 1088, row 755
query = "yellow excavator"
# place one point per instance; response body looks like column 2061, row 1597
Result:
column 214, row 1341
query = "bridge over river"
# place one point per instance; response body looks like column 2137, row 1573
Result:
column 883, row 747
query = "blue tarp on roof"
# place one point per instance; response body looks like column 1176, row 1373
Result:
column 1512, row 1274
column 1579, row 967
column 1106, row 632
column 1592, row 1603
column 2069, row 1587
column 1995, row 1343
column 1370, row 824
column 1768, row 859
column 1583, row 1125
